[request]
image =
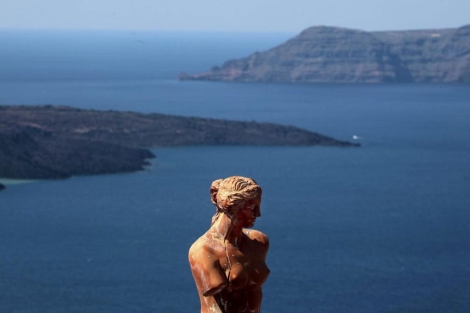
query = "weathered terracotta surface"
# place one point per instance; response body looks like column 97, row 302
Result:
column 228, row 261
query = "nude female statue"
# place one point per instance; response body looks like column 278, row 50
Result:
column 228, row 261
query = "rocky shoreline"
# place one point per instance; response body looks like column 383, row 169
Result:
column 48, row 142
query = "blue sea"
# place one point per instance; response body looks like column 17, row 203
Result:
column 380, row 228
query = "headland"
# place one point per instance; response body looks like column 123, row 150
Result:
column 47, row 142
column 323, row 54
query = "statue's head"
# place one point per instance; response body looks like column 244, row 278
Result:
column 237, row 196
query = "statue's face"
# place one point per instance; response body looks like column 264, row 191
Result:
column 251, row 210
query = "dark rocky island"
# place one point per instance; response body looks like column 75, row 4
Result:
column 2, row 187
column 323, row 54
column 38, row 142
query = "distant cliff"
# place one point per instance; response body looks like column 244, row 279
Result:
column 57, row 142
column 340, row 55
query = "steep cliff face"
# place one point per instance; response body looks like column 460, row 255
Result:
column 457, row 50
column 339, row 55
column 432, row 55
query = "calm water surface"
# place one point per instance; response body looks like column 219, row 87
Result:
column 381, row 228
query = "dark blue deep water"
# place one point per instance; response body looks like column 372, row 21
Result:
column 381, row 228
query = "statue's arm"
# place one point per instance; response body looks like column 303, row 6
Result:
column 208, row 275
column 261, row 239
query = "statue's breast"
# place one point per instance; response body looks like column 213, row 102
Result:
column 246, row 270
column 239, row 277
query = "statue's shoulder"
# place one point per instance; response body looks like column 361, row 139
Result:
column 199, row 245
column 257, row 235
column 204, row 246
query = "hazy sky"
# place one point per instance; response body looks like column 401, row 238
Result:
column 235, row 15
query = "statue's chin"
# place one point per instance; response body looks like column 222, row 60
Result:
column 250, row 225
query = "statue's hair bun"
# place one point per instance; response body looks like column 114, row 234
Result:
column 214, row 190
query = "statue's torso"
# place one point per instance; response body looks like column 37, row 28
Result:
column 246, row 271
column 242, row 266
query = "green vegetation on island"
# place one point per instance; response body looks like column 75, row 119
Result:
column 38, row 142
column 324, row 54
